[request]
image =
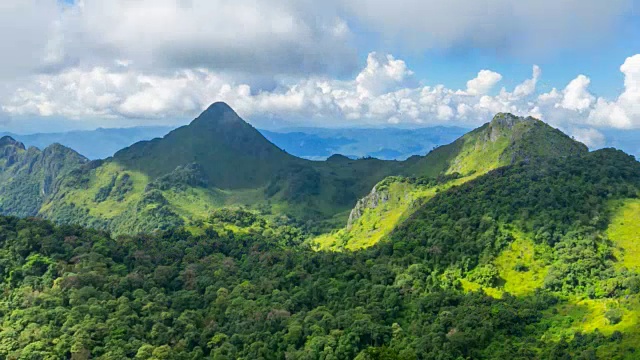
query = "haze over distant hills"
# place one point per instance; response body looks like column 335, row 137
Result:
column 309, row 143
column 93, row 144
column 306, row 142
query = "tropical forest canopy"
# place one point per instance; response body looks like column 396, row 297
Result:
column 513, row 242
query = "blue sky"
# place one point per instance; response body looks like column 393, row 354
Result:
column 600, row 60
column 336, row 63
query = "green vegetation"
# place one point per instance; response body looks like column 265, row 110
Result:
column 28, row 177
column 507, row 139
column 624, row 231
column 217, row 161
column 513, row 242
column 221, row 161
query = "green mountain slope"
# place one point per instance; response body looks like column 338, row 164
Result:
column 217, row 161
column 220, row 161
column 506, row 140
column 29, row 176
column 232, row 154
column 528, row 261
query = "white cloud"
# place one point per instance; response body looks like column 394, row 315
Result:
column 382, row 75
column 508, row 26
column 590, row 137
column 625, row 111
column 483, row 83
column 528, row 86
column 284, row 37
column 576, row 95
column 383, row 92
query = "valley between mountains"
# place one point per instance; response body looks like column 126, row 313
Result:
column 512, row 242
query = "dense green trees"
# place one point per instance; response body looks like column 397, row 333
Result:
column 70, row 292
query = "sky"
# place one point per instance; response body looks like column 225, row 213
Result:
column 335, row 63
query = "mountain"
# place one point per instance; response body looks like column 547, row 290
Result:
column 217, row 161
column 29, row 176
column 506, row 140
column 309, row 143
column 220, row 161
column 386, row 143
column 93, row 144
column 231, row 152
column 533, row 260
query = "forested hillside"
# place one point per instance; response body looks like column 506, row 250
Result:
column 218, row 161
column 506, row 140
column 221, row 162
column 29, row 176
column 530, row 261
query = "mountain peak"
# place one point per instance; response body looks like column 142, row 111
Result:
column 232, row 153
column 9, row 141
column 508, row 120
column 219, row 106
column 220, row 113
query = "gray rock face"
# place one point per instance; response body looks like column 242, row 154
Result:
column 502, row 122
column 371, row 201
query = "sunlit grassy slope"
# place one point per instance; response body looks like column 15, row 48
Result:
column 522, row 268
column 624, row 231
column 589, row 315
column 506, row 139
column 375, row 223
column 577, row 314
column 533, row 267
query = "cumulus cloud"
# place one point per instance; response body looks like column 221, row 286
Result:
column 576, row 95
column 624, row 112
column 383, row 92
column 382, row 74
column 483, row 83
column 528, row 86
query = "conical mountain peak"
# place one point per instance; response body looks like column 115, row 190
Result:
column 232, row 153
column 219, row 113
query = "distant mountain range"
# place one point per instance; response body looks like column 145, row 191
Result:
column 308, row 143
column 305, row 142
column 93, row 144
column 385, row 143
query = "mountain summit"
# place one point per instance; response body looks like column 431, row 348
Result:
column 231, row 152
column 505, row 140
